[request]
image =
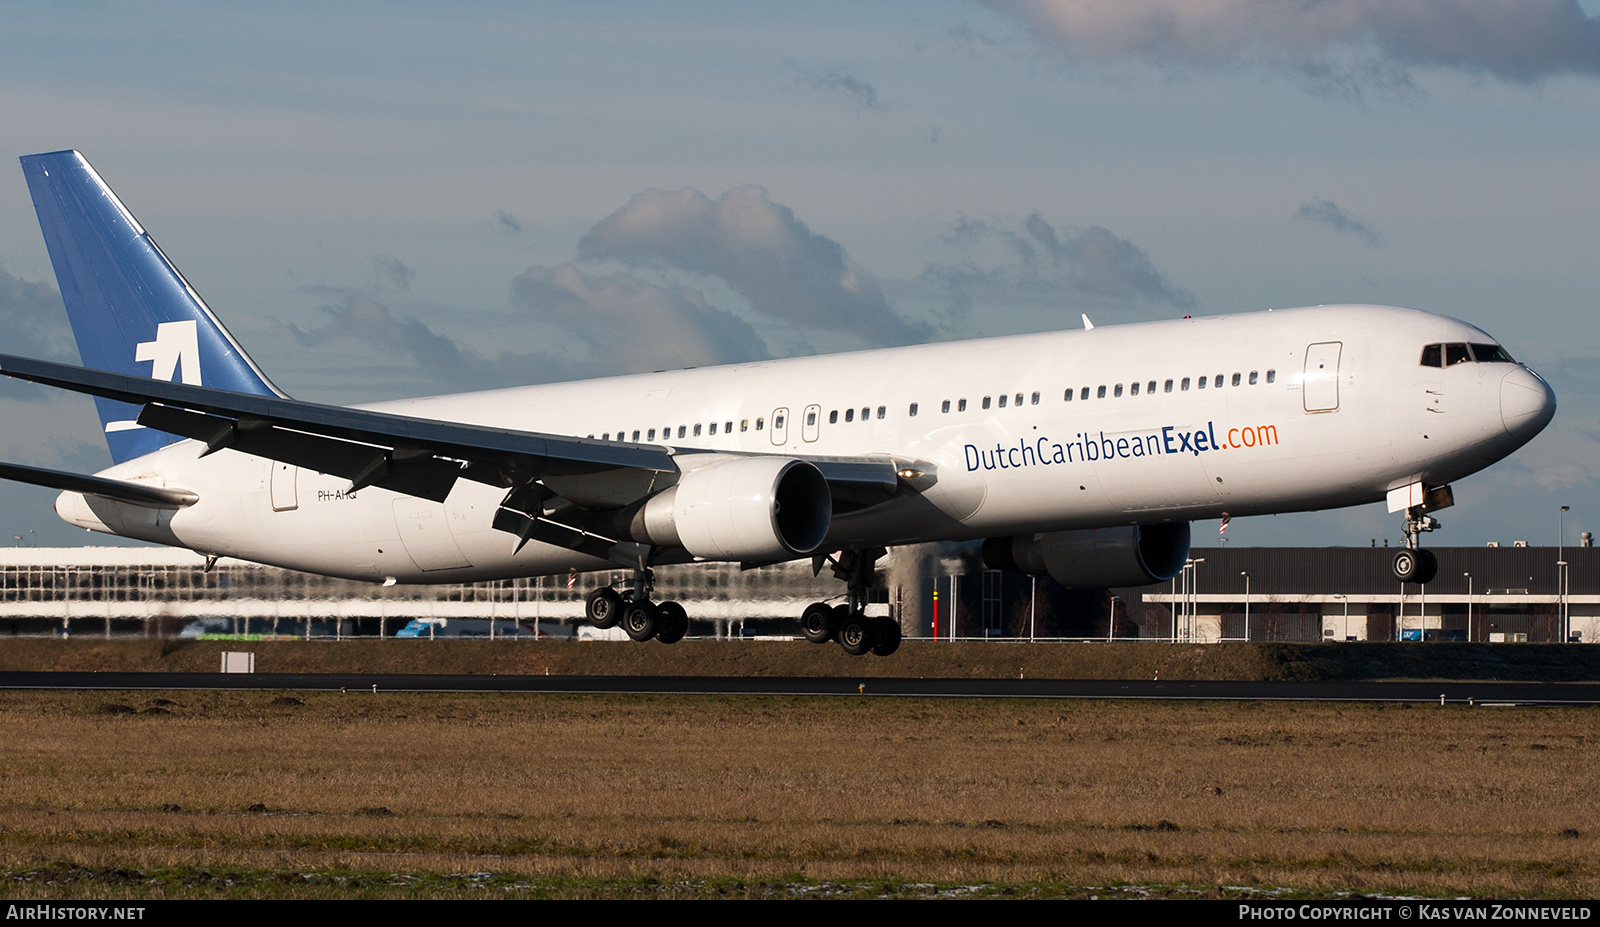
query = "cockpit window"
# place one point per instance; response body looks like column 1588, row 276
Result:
column 1448, row 355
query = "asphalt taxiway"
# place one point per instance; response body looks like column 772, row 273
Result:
column 1481, row 693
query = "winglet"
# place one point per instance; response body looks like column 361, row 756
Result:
column 1087, row 325
column 132, row 312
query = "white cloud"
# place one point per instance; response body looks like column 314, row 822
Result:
column 760, row 249
column 1328, row 45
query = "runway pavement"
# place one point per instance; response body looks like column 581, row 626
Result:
column 1491, row 693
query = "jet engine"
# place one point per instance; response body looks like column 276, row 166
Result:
column 750, row 509
column 1095, row 558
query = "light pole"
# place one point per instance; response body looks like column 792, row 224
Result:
column 1340, row 595
column 1469, row 606
column 1193, row 597
column 1561, row 570
column 1112, row 627
column 1246, row 575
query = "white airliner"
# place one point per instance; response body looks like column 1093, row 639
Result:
column 1080, row 455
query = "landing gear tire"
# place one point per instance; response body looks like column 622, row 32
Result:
column 1428, row 567
column 856, row 635
column 603, row 608
column 886, row 640
column 672, row 622
column 1406, row 565
column 1415, row 566
column 639, row 621
column 818, row 624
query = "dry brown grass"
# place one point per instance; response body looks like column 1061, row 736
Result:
column 578, row 796
column 996, row 659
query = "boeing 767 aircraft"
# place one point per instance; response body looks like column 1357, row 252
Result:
column 1080, row 455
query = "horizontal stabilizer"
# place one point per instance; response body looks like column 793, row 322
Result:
column 118, row 490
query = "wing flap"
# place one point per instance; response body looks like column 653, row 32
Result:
column 404, row 470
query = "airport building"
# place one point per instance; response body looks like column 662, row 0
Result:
column 1489, row 594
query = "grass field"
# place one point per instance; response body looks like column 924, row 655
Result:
column 916, row 658
column 224, row 794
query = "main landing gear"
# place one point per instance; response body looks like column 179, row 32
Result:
column 849, row 624
column 1412, row 564
column 640, row 618
column 667, row 622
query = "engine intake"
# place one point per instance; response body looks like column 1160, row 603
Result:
column 751, row 509
column 1095, row 558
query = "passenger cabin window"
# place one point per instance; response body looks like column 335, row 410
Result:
column 1019, row 398
column 760, row 423
column 912, row 412
column 1272, row 376
column 811, row 418
column 849, row 415
column 1254, row 375
column 1236, row 378
column 680, row 431
column 986, row 402
column 1036, row 398
column 1118, row 393
column 1068, row 395
column 961, row 405
column 1218, row 384
column 652, row 434
column 1133, row 390
column 945, row 407
column 636, row 434
column 833, row 417
column 1100, row 393
column 744, row 424
column 1002, row 402
column 1202, row 383
column 1169, row 385
column 883, row 412
column 713, row 427
column 727, row 427
column 1084, row 394
column 697, row 431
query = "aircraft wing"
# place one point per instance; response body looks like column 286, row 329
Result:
column 415, row 456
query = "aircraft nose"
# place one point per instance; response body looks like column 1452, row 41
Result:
column 1527, row 403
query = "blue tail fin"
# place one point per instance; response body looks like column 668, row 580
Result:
column 131, row 311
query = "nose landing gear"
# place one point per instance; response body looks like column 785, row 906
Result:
column 1412, row 564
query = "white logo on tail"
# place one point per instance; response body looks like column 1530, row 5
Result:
column 176, row 343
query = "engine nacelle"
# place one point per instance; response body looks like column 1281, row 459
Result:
column 750, row 509
column 1095, row 558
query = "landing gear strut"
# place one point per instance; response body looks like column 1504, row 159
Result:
column 849, row 624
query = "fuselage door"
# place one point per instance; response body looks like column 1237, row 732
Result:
column 425, row 533
column 1320, row 384
column 285, row 496
column 812, row 421
column 780, row 426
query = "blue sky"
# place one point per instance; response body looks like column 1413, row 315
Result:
column 397, row 199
